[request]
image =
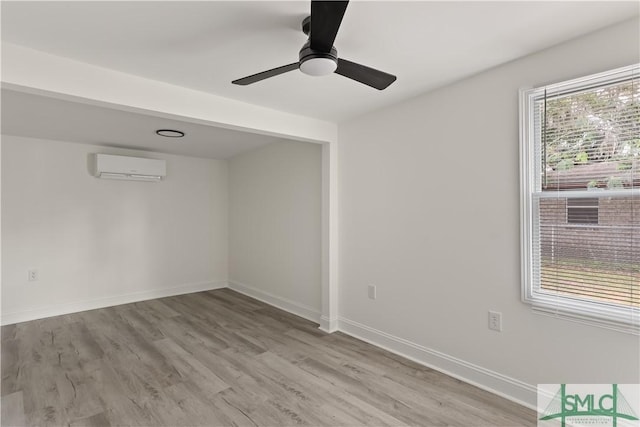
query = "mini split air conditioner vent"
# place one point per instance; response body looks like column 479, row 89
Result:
column 108, row 166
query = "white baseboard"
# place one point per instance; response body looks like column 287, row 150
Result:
column 77, row 306
column 494, row 382
column 293, row 307
column 328, row 325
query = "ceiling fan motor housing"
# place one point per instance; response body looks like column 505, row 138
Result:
column 315, row 63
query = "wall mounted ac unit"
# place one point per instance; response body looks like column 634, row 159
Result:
column 130, row 168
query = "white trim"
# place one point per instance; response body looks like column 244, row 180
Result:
column 526, row 232
column 590, row 81
column 0, row 232
column 329, row 256
column 92, row 304
column 328, row 325
column 486, row 379
column 606, row 316
column 600, row 314
column 285, row 304
column 586, row 194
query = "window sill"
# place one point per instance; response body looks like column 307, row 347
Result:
column 604, row 316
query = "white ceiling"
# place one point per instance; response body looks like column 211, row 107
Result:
column 37, row 116
column 204, row 45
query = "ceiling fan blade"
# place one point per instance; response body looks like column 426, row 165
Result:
column 369, row 76
column 326, row 17
column 265, row 74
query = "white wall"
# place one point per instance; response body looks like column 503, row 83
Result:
column 101, row 242
column 274, row 225
column 429, row 212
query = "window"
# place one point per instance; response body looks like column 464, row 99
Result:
column 580, row 179
column 582, row 211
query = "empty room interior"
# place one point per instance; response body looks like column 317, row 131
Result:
column 323, row 213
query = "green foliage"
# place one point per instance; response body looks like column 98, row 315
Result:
column 614, row 182
column 564, row 165
column 593, row 127
column 582, row 157
column 624, row 165
column 553, row 159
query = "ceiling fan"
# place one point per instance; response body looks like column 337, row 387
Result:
column 318, row 57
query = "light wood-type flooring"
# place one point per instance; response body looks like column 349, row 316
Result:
column 219, row 358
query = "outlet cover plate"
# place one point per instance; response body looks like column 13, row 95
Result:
column 372, row 291
column 495, row 321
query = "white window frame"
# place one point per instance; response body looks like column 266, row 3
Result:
column 594, row 313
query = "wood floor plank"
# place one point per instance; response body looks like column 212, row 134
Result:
column 414, row 376
column 196, row 409
column 12, row 410
column 234, row 300
column 41, row 400
column 298, row 395
column 261, row 412
column 219, row 358
column 95, row 420
column 142, row 321
column 120, row 406
column 10, row 366
column 333, row 399
column 157, row 307
column 193, row 329
column 76, row 394
column 191, row 368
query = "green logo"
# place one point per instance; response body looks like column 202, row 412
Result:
column 589, row 408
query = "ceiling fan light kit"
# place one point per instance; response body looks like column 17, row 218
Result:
column 316, row 63
column 318, row 56
column 318, row 66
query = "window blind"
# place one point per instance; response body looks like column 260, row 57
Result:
column 583, row 211
column 585, row 198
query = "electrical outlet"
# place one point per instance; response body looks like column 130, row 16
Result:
column 495, row 321
column 372, row 291
column 33, row 275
